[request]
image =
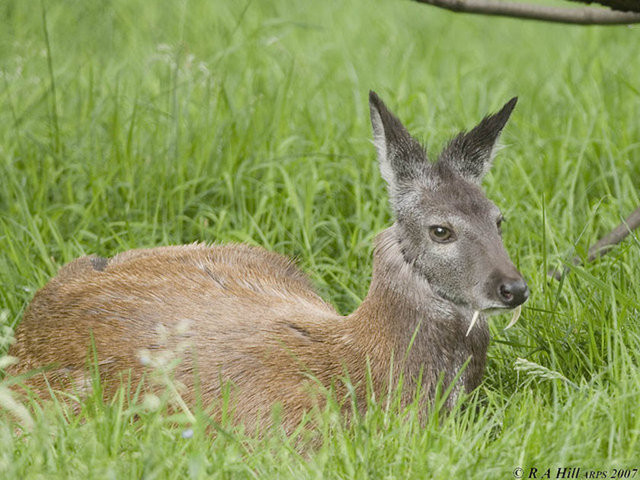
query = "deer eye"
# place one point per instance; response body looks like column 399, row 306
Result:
column 441, row 234
column 499, row 223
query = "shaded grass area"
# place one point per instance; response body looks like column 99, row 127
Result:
column 126, row 124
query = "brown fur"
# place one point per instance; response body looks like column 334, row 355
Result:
column 251, row 316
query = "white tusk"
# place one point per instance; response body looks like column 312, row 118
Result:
column 474, row 319
column 515, row 317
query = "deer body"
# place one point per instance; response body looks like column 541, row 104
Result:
column 249, row 318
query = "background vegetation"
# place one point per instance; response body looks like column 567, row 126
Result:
column 128, row 123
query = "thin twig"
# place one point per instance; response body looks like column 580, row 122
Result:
column 580, row 16
column 606, row 243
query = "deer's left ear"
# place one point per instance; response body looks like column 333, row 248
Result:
column 401, row 158
column 470, row 153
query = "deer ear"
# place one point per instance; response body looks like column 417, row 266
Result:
column 470, row 153
column 400, row 156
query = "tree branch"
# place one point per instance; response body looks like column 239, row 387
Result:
column 580, row 16
column 606, row 243
column 623, row 5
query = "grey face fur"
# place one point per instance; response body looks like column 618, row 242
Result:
column 449, row 232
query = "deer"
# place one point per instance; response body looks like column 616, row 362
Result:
column 248, row 319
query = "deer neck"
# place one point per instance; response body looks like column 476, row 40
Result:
column 426, row 333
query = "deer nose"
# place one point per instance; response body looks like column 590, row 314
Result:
column 513, row 292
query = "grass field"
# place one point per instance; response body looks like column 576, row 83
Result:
column 128, row 123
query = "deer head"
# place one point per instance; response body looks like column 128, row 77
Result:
column 449, row 232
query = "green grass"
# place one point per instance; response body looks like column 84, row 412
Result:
column 127, row 124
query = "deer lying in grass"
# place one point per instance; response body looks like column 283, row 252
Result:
column 248, row 317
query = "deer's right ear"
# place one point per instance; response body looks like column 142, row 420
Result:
column 470, row 153
column 400, row 156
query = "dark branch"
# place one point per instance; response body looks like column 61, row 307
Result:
column 581, row 16
column 606, row 243
column 622, row 5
